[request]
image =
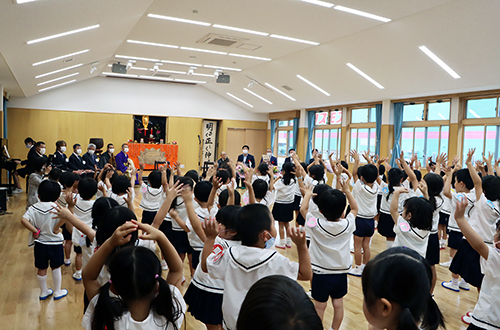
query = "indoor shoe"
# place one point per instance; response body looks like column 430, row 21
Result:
column 288, row 242
column 281, row 244
column 63, row 293
column 309, row 294
column 67, row 262
column 17, row 191
column 356, row 271
column 449, row 285
column 49, row 293
column 77, row 276
column 466, row 319
column 445, row 264
column 464, row 285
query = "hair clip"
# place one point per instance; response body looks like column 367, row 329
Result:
column 110, row 282
column 156, row 276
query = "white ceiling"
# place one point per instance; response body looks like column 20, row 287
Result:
column 463, row 33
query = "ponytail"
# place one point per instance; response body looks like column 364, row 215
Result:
column 433, row 318
column 166, row 304
column 394, row 176
column 435, row 185
column 107, row 310
column 407, row 321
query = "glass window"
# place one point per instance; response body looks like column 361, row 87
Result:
column 473, row 138
column 413, row 112
column 336, row 118
column 282, row 143
column 424, row 141
column 359, row 116
column 407, row 142
column 327, row 141
column 373, row 115
column 321, row 118
column 419, row 142
column 283, row 123
column 445, row 139
column 481, row 108
column 439, row 111
column 363, row 139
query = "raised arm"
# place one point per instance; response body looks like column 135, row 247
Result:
column 216, row 184
column 488, row 163
column 193, row 217
column 141, row 171
column 411, row 175
column 440, row 160
column 304, row 208
column 395, row 203
column 210, row 227
column 478, row 183
column 447, row 182
column 472, row 237
column 298, row 236
column 354, row 154
column 344, row 185
column 64, row 215
column 167, row 203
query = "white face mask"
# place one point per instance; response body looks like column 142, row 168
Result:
column 28, row 146
column 42, row 151
column 269, row 154
column 63, row 149
column 78, row 151
column 245, row 152
column 111, row 151
column 91, row 152
column 125, row 150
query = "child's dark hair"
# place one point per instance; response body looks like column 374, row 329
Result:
column 463, row 175
column 39, row 163
column 369, row 173
column 344, row 164
column 381, row 171
column 304, row 166
column 317, row 172
column 114, row 218
column 87, row 188
column 55, row 174
column 193, row 174
column 49, row 191
column 387, row 276
column 360, row 171
column 99, row 209
column 227, row 217
column 224, row 197
column 251, row 220
column 202, row 190
column 331, row 204
column 435, row 186
column 223, row 175
column 63, row 177
column 120, row 184
column 263, row 169
column 260, row 188
column 318, row 190
column 113, row 176
column 288, row 168
column 421, row 212
column 185, row 181
column 394, row 178
column 491, row 184
column 418, row 174
column 154, row 179
column 135, row 274
column 71, row 179
column 280, row 303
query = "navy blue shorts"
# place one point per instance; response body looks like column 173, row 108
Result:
column 466, row 263
column 180, row 242
column 48, row 254
column 66, row 233
column 328, row 285
column 77, row 249
column 474, row 327
column 148, row 217
column 166, row 228
column 385, row 225
column 432, row 254
column 444, row 218
column 364, row 227
column 455, row 239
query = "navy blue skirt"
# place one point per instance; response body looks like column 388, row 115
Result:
column 205, row 306
column 148, row 217
column 180, row 242
column 386, row 225
column 432, row 254
column 466, row 264
column 283, row 212
column 296, row 203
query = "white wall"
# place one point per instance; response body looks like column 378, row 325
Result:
column 119, row 95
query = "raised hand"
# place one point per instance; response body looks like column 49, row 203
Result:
column 354, row 154
column 470, row 154
column 70, row 199
column 122, row 234
column 61, row 212
column 211, row 228
column 141, row 165
column 298, row 235
column 175, row 191
column 148, row 232
column 402, row 190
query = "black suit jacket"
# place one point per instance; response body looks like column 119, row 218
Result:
column 60, row 161
column 250, row 159
column 76, row 163
column 30, row 167
column 90, row 161
column 288, row 160
column 273, row 160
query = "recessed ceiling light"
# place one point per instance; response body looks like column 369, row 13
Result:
column 60, row 78
column 311, row 84
column 237, row 98
column 294, row 39
column 60, row 57
column 257, row 95
column 24, row 1
column 239, row 30
column 63, row 34
column 64, row 83
column 221, row 67
column 282, row 93
column 252, row 57
column 364, row 75
column 138, row 58
column 57, row 71
column 151, row 44
column 156, row 78
column 190, row 81
column 439, row 62
column 204, row 50
column 362, row 13
column 320, row 3
column 181, row 63
column 203, row 75
column 176, row 19
column 124, row 75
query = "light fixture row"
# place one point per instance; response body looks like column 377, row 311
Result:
column 348, row 10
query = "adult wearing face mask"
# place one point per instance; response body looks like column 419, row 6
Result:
column 29, row 142
column 107, row 157
column 60, row 160
column 272, row 160
column 289, row 159
column 39, row 152
column 90, row 158
column 247, row 159
column 122, row 159
column 76, row 162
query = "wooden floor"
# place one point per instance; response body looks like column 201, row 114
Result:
column 21, row 309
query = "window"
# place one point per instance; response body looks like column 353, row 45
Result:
column 484, row 138
column 285, row 139
column 285, row 123
column 435, row 110
column 363, row 139
column 482, row 108
column 327, row 135
column 424, row 141
column 365, row 115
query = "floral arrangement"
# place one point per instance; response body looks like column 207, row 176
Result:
column 275, row 169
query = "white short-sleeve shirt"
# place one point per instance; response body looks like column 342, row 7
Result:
column 152, row 198
column 410, row 237
column 483, row 219
column 121, row 199
column 366, row 197
column 40, row 217
column 194, row 240
column 385, row 204
column 83, row 211
column 285, row 194
column 455, row 197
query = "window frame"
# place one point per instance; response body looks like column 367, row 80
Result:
column 329, row 127
column 440, row 126
column 283, row 129
column 356, row 126
column 426, row 114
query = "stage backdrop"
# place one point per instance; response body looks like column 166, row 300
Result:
column 154, row 126
column 149, row 153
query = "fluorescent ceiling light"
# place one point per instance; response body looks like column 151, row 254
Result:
column 156, row 78
column 190, row 81
column 57, row 71
column 203, row 75
column 252, row 57
column 257, row 95
column 64, row 83
column 181, row 63
column 60, row 78
column 24, row 1
column 237, row 98
column 311, row 84
column 362, row 13
column 204, row 50
column 138, row 58
column 60, row 57
column 320, row 3
column 123, row 75
column 239, row 30
column 474, row 113
column 170, row 71
column 364, row 75
column 439, row 62
column 151, row 44
column 277, row 90
column 176, row 19
column 63, row 34
column 221, row 67
column 294, row 39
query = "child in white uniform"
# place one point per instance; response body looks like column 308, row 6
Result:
column 121, row 188
column 69, row 181
column 284, row 203
column 152, row 194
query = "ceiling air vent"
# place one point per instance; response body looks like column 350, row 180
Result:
column 222, row 40
column 288, row 88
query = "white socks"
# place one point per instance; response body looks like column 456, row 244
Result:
column 390, row 244
column 454, row 281
column 42, row 281
column 57, row 278
column 462, row 282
